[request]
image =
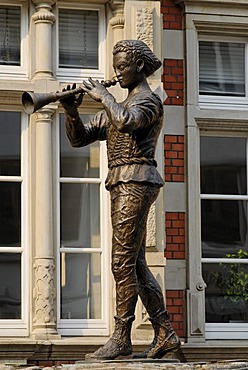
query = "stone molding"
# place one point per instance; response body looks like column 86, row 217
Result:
column 44, row 3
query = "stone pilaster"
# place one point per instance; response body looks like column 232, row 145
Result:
column 44, row 306
column 43, row 20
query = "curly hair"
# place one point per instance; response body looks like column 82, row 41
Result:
column 139, row 50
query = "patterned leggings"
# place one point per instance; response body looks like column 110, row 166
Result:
column 130, row 204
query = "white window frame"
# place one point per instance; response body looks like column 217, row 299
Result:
column 72, row 74
column 18, row 72
column 20, row 327
column 222, row 20
column 213, row 101
column 226, row 330
column 87, row 327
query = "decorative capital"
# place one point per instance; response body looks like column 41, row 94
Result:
column 118, row 19
column 45, row 115
column 43, row 14
column 117, row 22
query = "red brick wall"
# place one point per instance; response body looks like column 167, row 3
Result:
column 174, row 158
column 175, row 235
column 175, row 305
column 173, row 84
column 172, row 15
column 173, row 81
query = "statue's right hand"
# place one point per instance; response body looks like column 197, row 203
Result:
column 72, row 102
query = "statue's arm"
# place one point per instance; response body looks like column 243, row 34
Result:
column 82, row 134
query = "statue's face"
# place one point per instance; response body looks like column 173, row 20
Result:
column 126, row 70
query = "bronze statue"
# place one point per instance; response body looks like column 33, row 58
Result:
column 131, row 129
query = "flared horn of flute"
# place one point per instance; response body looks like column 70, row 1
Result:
column 33, row 101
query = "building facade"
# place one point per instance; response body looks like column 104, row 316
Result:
column 56, row 289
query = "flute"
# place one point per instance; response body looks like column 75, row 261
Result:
column 33, row 101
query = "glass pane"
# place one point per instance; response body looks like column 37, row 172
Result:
column 222, row 68
column 226, row 292
column 80, row 286
column 223, row 165
column 10, row 40
column 78, row 38
column 80, row 215
column 10, row 143
column 224, row 227
column 10, row 214
column 78, row 162
column 10, row 286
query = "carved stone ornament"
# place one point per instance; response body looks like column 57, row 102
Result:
column 145, row 25
column 44, row 293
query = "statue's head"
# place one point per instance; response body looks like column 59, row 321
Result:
column 137, row 49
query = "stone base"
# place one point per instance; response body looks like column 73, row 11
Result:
column 149, row 364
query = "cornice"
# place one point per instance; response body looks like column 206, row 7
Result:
column 214, row 124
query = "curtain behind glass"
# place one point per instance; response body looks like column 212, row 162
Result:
column 78, row 39
column 10, row 27
column 221, row 68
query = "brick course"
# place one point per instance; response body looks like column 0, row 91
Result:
column 172, row 15
column 174, row 158
column 175, row 235
column 173, row 81
column 175, row 304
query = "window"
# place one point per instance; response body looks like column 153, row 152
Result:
column 82, row 238
column 222, row 68
column 80, row 42
column 224, row 234
column 222, row 72
column 13, row 41
column 10, row 35
column 13, row 225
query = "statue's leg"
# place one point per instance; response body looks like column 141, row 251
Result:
column 129, row 210
column 165, row 339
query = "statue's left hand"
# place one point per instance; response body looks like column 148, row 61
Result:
column 94, row 89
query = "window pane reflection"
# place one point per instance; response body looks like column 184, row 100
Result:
column 80, row 215
column 223, row 165
column 10, row 214
column 224, row 227
column 10, row 141
column 226, row 292
column 221, row 68
column 10, row 40
column 78, row 162
column 78, row 38
column 10, row 286
column 80, row 286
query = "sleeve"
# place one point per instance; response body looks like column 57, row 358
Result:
column 81, row 134
column 139, row 112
